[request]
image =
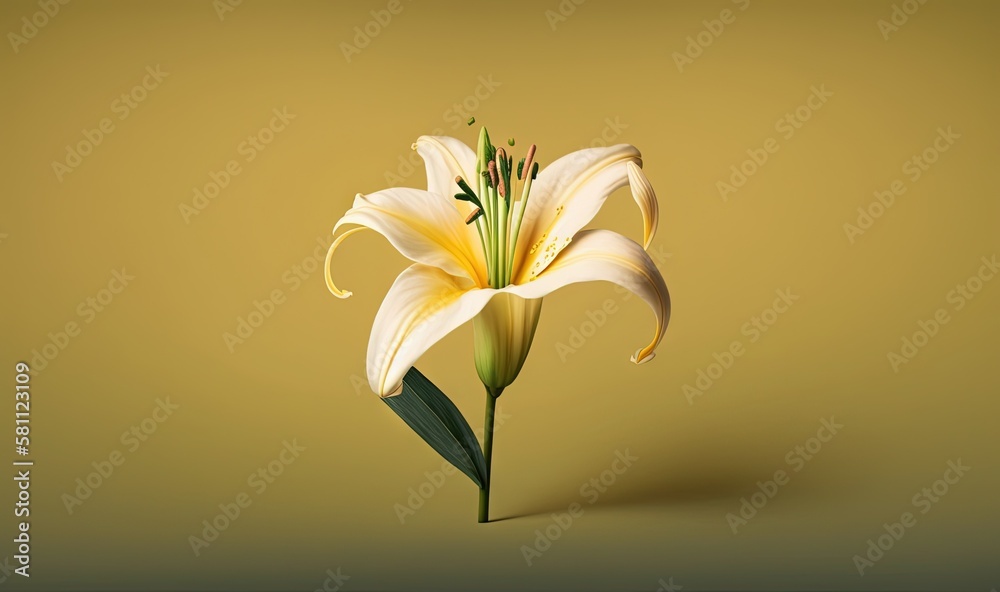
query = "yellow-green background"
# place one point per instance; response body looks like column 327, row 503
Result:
column 665, row 517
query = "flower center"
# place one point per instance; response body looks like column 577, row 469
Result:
column 497, row 218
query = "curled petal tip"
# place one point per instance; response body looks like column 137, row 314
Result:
column 329, row 258
column 413, row 146
column 637, row 360
column 396, row 391
column 645, row 197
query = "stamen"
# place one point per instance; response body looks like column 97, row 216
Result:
column 471, row 120
column 510, row 141
column 468, row 191
column 503, row 173
column 476, row 213
column 527, row 161
column 469, row 198
column 493, row 173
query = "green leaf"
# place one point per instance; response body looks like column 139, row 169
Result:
column 435, row 418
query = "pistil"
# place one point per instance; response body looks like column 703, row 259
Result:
column 494, row 205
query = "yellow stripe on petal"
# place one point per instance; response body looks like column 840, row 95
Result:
column 423, row 227
column 645, row 197
column 603, row 255
column 565, row 198
column 329, row 257
column 423, row 305
column 445, row 158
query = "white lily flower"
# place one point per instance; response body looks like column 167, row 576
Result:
column 490, row 258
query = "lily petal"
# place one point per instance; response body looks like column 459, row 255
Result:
column 605, row 255
column 423, row 305
column 645, row 197
column 446, row 158
column 565, row 197
column 329, row 257
column 422, row 226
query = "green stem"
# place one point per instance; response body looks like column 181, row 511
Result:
column 484, row 493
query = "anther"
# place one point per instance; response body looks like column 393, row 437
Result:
column 493, row 173
column 473, row 215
